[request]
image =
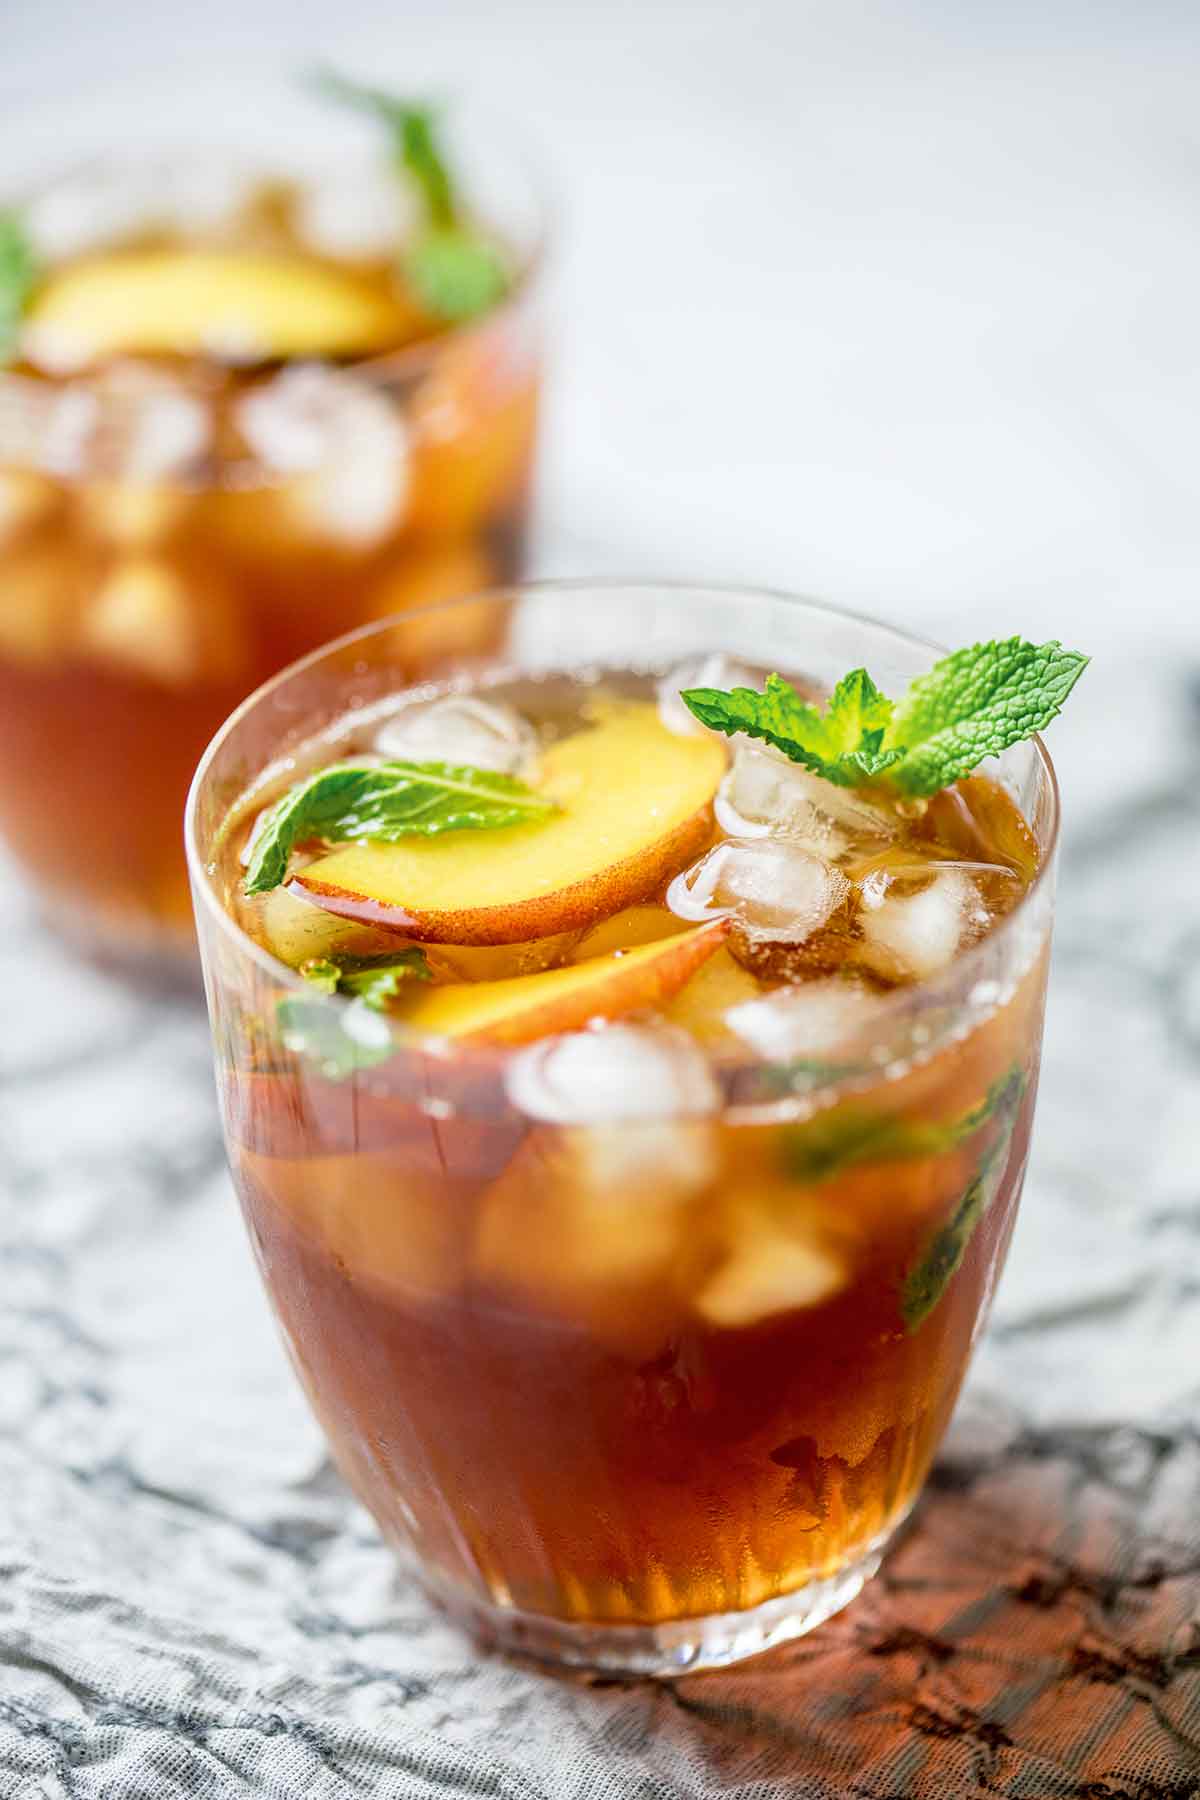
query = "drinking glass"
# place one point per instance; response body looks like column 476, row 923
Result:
column 174, row 531
column 493, row 1310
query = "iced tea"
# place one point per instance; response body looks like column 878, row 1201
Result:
column 228, row 432
column 631, row 1245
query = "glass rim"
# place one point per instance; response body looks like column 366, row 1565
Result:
column 406, row 361
column 892, row 1004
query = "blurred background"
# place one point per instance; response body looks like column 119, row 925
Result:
column 894, row 303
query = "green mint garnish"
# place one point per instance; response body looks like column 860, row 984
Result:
column 455, row 271
column 372, row 979
column 339, row 1042
column 851, row 1134
column 18, row 274
column 932, row 1274
column 345, row 803
column 971, row 705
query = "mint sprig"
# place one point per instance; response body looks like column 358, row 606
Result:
column 454, row 269
column 972, row 704
column 18, row 275
column 851, row 1135
column 372, row 979
column 941, row 1259
column 346, row 803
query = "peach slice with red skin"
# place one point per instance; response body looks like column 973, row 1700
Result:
column 527, row 1007
column 635, row 807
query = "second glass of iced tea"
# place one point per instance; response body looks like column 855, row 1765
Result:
column 632, row 1253
column 229, row 432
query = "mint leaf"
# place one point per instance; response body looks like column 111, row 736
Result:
column 934, row 1270
column 971, row 705
column 975, row 704
column 842, row 744
column 850, row 1135
column 339, row 1040
column 456, row 273
column 346, row 803
column 372, row 979
column 454, row 270
column 18, row 273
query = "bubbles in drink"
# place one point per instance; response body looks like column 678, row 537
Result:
column 777, row 892
column 462, row 728
column 618, row 1072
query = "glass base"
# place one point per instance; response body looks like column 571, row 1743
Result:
column 676, row 1647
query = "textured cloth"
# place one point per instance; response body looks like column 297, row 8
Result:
column 190, row 1603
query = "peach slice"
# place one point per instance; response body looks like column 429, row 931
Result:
column 526, row 1007
column 246, row 305
column 636, row 807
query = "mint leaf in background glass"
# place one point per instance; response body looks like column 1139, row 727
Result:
column 455, row 271
column 842, row 743
column 971, row 705
column 372, row 979
column 18, row 273
column 347, row 803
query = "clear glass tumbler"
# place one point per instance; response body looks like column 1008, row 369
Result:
column 578, row 1463
column 175, row 529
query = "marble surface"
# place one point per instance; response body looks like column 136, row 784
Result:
column 892, row 303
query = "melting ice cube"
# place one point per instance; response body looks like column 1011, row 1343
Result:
column 779, row 892
column 913, row 936
column 365, row 217
column 616, row 1072
column 811, row 1019
column 461, row 729
column 764, row 794
column 347, row 445
column 768, row 1272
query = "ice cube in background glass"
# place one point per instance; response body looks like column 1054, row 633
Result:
column 462, row 728
column 615, row 1072
column 715, row 670
column 364, row 217
column 346, row 445
column 764, row 794
column 778, row 892
column 909, row 937
column 812, row 1019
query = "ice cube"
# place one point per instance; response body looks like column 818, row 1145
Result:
column 764, row 794
column 363, row 218
column 715, row 670
column 778, row 892
column 811, row 1019
column 909, row 937
column 766, row 1273
column 614, row 1072
column 461, row 728
column 345, row 446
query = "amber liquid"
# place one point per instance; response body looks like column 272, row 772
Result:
column 510, row 1349
column 215, row 586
